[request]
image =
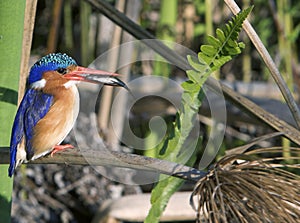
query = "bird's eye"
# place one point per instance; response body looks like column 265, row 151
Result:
column 62, row 70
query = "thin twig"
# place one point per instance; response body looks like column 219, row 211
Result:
column 250, row 107
column 269, row 62
column 29, row 18
column 118, row 114
column 107, row 92
column 53, row 33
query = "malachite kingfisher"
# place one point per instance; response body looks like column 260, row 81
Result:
column 50, row 107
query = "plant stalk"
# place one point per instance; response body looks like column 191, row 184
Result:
column 269, row 62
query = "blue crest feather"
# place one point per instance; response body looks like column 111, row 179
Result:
column 51, row 61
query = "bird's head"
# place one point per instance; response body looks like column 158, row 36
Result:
column 58, row 70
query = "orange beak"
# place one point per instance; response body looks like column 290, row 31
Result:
column 95, row 76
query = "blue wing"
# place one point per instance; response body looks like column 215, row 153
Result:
column 34, row 106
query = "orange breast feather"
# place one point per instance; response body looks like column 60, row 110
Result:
column 57, row 123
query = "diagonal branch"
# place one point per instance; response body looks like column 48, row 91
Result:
column 269, row 62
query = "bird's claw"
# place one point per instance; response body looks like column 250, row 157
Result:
column 58, row 148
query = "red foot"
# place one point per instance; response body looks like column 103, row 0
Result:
column 60, row 148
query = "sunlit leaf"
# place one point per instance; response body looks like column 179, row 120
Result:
column 220, row 35
column 194, row 63
column 209, row 50
column 213, row 41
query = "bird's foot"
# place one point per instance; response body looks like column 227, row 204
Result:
column 60, row 148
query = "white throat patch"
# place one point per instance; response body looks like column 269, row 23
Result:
column 39, row 84
column 70, row 84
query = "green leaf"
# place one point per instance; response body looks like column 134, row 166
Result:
column 209, row 50
column 220, row 35
column 232, row 43
column 203, row 57
column 221, row 61
column 193, row 77
column 197, row 65
column 241, row 45
column 220, row 49
column 165, row 188
column 11, row 35
column 213, row 41
column 160, row 196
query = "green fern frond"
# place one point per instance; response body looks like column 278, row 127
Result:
column 176, row 147
column 222, row 48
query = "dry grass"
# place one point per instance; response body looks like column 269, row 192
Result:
column 251, row 187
